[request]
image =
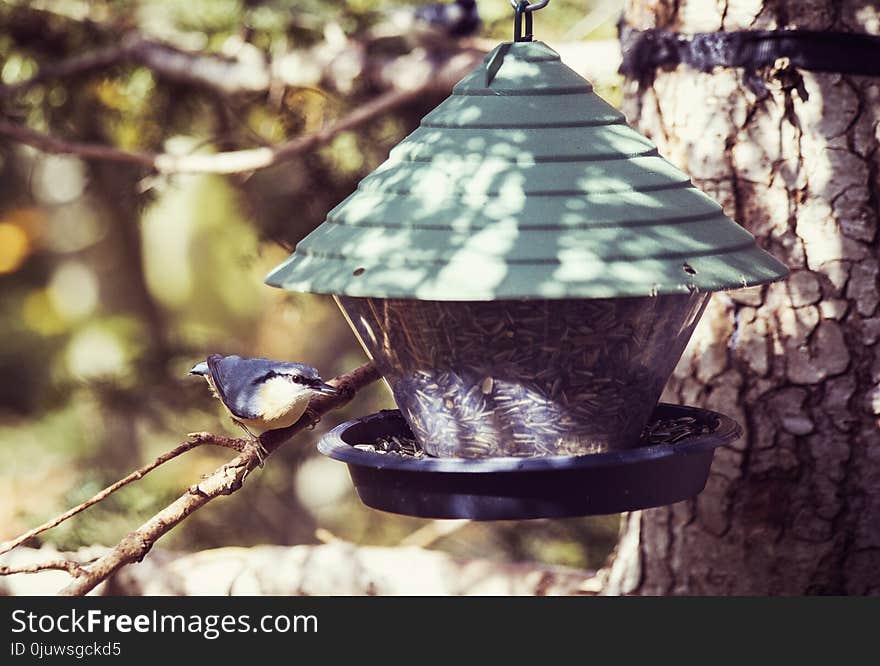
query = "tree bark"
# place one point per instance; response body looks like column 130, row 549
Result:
column 794, row 506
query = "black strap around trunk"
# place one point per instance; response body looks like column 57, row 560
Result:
column 845, row 53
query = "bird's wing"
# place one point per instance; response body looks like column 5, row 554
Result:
column 235, row 379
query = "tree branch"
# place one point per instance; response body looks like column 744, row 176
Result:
column 236, row 161
column 195, row 440
column 75, row 569
column 223, row 481
column 335, row 65
column 226, row 75
column 75, row 66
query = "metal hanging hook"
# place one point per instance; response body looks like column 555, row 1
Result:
column 523, row 8
column 532, row 8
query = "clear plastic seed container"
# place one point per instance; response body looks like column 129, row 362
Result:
column 525, row 377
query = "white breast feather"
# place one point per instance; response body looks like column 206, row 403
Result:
column 282, row 402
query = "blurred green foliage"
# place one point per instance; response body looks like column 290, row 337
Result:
column 113, row 282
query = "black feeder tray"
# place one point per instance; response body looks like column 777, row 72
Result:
column 511, row 488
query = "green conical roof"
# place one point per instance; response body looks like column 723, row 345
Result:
column 525, row 184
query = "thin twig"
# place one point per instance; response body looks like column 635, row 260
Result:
column 324, row 535
column 75, row 569
column 428, row 534
column 223, row 481
column 231, row 162
column 195, row 440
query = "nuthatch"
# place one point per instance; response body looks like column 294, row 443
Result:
column 455, row 19
column 261, row 394
column 430, row 25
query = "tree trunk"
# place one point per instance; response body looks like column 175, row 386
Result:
column 794, row 506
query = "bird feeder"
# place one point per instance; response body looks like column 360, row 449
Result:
column 525, row 269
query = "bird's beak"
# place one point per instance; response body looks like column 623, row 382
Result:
column 325, row 389
column 200, row 369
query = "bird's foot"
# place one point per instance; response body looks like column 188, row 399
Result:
column 255, row 443
column 312, row 418
column 260, row 450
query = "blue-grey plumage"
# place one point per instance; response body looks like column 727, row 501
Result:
column 262, row 394
column 456, row 19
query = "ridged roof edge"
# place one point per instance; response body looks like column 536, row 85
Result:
column 525, row 184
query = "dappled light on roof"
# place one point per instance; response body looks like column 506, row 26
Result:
column 525, row 184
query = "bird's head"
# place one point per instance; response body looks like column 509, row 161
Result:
column 308, row 378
